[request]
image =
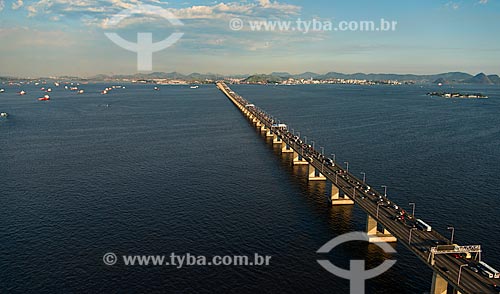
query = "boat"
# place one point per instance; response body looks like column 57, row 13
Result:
column 458, row 95
column 81, row 92
column 195, row 87
column 56, row 84
column 157, row 89
column 44, row 98
column 49, row 90
column 22, row 93
column 2, row 90
column 4, row 114
column 104, row 92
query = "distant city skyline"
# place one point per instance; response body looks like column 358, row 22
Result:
column 63, row 37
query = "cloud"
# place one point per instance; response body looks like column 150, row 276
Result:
column 483, row 1
column 2, row 5
column 18, row 4
column 453, row 5
column 103, row 9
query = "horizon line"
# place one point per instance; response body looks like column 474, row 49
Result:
column 236, row 74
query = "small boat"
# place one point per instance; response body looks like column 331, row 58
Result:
column 2, row 90
column 104, row 92
column 44, row 98
column 56, row 84
column 157, row 89
column 81, row 92
column 22, row 93
column 4, row 114
column 49, row 90
column 42, row 89
column 195, row 87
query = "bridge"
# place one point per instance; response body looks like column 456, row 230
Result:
column 454, row 268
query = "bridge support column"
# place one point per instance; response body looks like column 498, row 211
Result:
column 298, row 160
column 258, row 124
column 335, row 197
column 269, row 133
column 313, row 176
column 439, row 285
column 277, row 140
column 285, row 148
column 263, row 127
column 374, row 235
column 255, row 120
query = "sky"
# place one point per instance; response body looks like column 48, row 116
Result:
column 63, row 37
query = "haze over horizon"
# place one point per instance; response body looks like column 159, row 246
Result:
column 63, row 37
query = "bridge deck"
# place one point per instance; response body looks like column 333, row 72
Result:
column 470, row 282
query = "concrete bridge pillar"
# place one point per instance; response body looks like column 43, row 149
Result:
column 263, row 127
column 298, row 160
column 439, row 285
column 313, row 176
column 269, row 133
column 335, row 197
column 285, row 148
column 277, row 140
column 374, row 235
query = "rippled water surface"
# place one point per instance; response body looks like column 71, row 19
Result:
column 180, row 170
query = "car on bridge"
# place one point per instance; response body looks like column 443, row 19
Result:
column 473, row 268
column 445, row 269
column 423, row 249
column 329, row 162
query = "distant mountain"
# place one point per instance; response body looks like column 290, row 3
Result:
column 454, row 76
column 336, row 75
column 202, row 77
column 263, row 78
column 441, row 81
column 307, row 75
column 276, row 77
column 480, row 79
column 443, row 78
column 495, row 79
column 282, row 74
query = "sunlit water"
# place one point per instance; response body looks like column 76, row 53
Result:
column 180, row 170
